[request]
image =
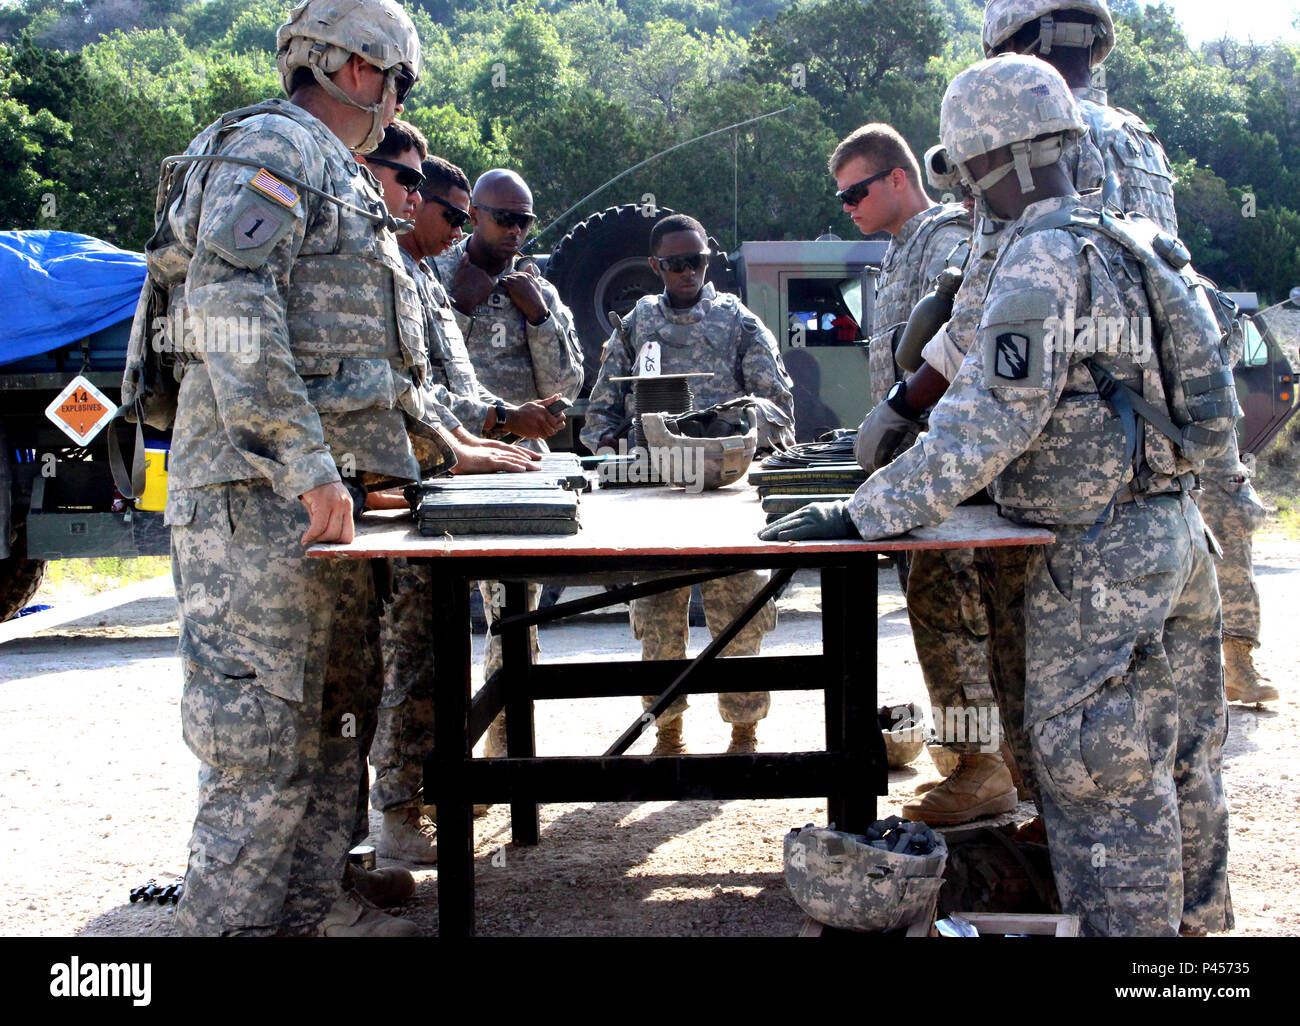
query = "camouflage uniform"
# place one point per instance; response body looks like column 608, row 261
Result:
column 278, row 700
column 519, row 362
column 944, row 604
column 1124, row 699
column 718, row 335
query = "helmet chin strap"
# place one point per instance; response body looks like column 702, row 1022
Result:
column 1025, row 155
column 375, row 110
column 1067, row 34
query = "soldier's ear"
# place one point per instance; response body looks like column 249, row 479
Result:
column 654, row 266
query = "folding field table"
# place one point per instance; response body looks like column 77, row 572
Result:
column 661, row 539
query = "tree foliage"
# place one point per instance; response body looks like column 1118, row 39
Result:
column 94, row 93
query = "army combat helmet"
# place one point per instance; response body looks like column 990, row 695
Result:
column 323, row 34
column 1015, row 101
column 1004, row 18
column 940, row 172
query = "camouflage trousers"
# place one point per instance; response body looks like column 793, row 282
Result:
column 1125, row 708
column 278, row 704
column 661, row 623
column 1234, row 513
column 967, row 613
column 405, row 733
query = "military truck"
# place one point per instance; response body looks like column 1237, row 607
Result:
column 817, row 299
column 58, row 500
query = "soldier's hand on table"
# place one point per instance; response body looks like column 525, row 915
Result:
column 485, row 456
column 884, row 433
column 389, row 499
column 330, row 508
column 526, row 291
column 469, row 286
column 816, row 520
column 534, row 420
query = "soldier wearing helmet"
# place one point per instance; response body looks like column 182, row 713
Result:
column 1075, row 36
column 690, row 328
column 270, row 219
column 950, row 625
column 1123, row 703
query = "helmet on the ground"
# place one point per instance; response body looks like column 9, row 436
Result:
column 844, row 881
column 323, row 34
column 1004, row 18
column 1015, row 101
column 704, row 450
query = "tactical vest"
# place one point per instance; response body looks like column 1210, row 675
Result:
column 1134, row 155
column 903, row 283
column 1180, row 407
column 360, row 354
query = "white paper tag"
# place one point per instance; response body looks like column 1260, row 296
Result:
column 647, row 361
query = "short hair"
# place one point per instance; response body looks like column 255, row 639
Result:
column 399, row 137
column 878, row 145
column 675, row 223
column 441, row 176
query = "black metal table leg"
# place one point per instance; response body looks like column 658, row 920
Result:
column 445, row 768
column 833, row 642
column 521, row 739
column 858, row 604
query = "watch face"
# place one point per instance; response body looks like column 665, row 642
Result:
column 894, row 391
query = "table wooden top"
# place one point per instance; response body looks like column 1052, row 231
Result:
column 622, row 522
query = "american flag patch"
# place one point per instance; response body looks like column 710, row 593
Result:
column 267, row 183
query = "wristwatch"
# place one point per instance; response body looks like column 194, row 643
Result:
column 896, row 397
column 502, row 412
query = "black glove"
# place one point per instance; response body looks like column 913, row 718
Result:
column 816, row 520
column 884, row 433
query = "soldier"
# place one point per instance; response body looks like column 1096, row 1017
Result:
column 436, row 199
column 520, row 338
column 697, row 330
column 273, row 449
column 1124, row 700
column 1074, row 36
column 880, row 188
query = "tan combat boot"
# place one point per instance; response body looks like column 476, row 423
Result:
column 1240, row 679
column 409, row 836
column 383, row 888
column 980, row 786
column 669, row 741
column 744, row 740
column 353, row 916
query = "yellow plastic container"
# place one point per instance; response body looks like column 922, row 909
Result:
column 154, row 497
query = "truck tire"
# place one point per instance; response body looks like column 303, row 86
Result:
column 601, row 266
column 20, row 577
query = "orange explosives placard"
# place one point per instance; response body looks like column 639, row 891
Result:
column 80, row 410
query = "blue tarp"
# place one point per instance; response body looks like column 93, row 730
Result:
column 58, row 287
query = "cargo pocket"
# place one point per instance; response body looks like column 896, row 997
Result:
column 209, row 845
column 1143, row 894
column 231, row 723
column 1097, row 750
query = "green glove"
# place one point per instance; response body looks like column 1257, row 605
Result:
column 816, row 520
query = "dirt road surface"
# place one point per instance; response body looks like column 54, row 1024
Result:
column 99, row 789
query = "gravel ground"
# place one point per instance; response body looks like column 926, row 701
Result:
column 99, row 788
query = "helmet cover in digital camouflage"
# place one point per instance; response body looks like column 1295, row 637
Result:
column 1004, row 18
column 841, row 880
column 702, row 452
column 323, row 34
column 1015, row 101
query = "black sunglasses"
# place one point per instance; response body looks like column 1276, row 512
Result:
column 857, row 192
column 404, row 81
column 509, row 218
column 451, row 213
column 407, row 177
column 680, row 262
